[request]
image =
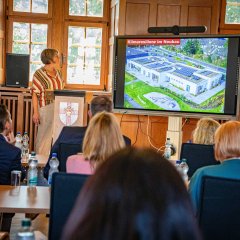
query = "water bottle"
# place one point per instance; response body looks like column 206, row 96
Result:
column 168, row 150
column 25, row 147
column 32, row 170
column 18, row 140
column 184, row 169
column 53, row 167
column 26, row 232
column 32, row 156
column 178, row 168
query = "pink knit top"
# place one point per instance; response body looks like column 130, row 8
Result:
column 77, row 164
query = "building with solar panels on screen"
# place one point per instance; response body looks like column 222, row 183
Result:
column 157, row 71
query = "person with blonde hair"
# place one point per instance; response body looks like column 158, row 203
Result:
column 75, row 134
column 204, row 132
column 103, row 138
column 47, row 78
column 227, row 151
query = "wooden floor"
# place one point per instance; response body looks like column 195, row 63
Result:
column 40, row 223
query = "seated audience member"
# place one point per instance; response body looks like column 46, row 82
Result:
column 10, row 158
column 227, row 151
column 135, row 194
column 75, row 134
column 103, row 138
column 204, row 132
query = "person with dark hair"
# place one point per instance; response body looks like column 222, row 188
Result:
column 10, row 158
column 75, row 134
column 100, row 104
column 47, row 78
column 135, row 194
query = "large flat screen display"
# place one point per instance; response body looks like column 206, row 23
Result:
column 193, row 74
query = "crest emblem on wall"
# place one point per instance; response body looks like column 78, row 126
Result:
column 68, row 113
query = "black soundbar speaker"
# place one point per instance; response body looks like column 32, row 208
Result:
column 178, row 29
column 17, row 70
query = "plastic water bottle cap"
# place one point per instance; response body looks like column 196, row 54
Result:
column 33, row 154
column 18, row 132
column 54, row 154
column 178, row 161
column 26, row 222
column 25, row 132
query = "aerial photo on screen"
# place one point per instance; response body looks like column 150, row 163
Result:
column 176, row 74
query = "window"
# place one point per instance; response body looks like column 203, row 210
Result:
column 27, row 34
column 34, row 6
column 84, row 55
column 88, row 8
column 86, row 43
column 77, row 28
column 232, row 15
column 30, row 38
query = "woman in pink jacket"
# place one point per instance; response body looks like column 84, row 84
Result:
column 103, row 138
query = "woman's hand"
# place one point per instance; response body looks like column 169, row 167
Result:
column 36, row 118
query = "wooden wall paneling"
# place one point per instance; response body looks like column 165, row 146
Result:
column 114, row 10
column 122, row 17
column 229, row 31
column 137, row 127
column 158, row 131
column 134, row 134
column 13, row 113
column 20, row 115
column 19, row 104
column 215, row 18
column 189, row 125
column 2, row 42
column 204, row 12
column 113, row 18
column 168, row 15
column 135, row 13
column 10, row 100
column 58, row 23
column 110, row 72
column 28, row 125
column 200, row 16
column 27, row 112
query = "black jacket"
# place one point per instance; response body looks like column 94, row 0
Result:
column 10, row 159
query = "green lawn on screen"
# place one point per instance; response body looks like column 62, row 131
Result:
column 137, row 90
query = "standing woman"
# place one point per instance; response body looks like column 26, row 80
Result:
column 45, row 78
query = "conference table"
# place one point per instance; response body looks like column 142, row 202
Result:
column 24, row 199
column 42, row 160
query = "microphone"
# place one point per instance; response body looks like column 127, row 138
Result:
column 178, row 29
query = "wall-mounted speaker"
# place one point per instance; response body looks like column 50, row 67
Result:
column 17, row 70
